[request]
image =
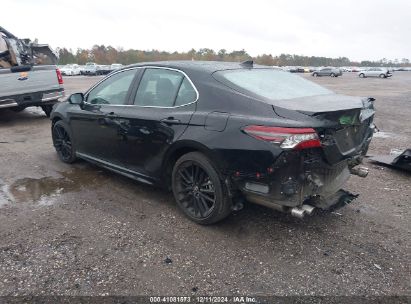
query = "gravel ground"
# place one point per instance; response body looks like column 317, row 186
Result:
column 80, row 230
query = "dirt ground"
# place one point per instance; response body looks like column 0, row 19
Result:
column 80, row 230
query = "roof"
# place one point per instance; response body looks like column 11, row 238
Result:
column 203, row 66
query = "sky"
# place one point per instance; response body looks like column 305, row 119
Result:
column 357, row 29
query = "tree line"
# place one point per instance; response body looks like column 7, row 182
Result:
column 102, row 54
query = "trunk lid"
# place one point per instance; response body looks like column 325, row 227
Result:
column 320, row 103
column 344, row 123
column 36, row 79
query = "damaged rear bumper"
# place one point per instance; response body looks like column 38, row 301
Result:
column 301, row 182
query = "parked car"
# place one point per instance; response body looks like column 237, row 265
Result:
column 90, row 68
column 81, row 68
column 103, row 69
column 333, row 72
column 70, row 70
column 217, row 133
column 375, row 72
column 115, row 66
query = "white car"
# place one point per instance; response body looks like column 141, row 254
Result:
column 115, row 66
column 375, row 72
column 70, row 70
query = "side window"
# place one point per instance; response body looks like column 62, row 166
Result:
column 186, row 94
column 113, row 90
column 163, row 88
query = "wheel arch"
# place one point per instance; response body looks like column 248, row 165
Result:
column 55, row 118
column 180, row 148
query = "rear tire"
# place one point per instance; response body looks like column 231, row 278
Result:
column 199, row 190
column 62, row 142
column 47, row 109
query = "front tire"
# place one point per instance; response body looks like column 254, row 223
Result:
column 315, row 74
column 199, row 190
column 62, row 142
column 382, row 76
column 361, row 75
column 332, row 75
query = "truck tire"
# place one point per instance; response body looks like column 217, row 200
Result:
column 47, row 109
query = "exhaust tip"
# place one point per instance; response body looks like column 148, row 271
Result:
column 360, row 171
column 308, row 209
column 297, row 212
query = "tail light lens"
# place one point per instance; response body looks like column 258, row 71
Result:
column 59, row 77
column 286, row 138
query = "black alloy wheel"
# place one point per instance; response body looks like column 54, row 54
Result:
column 62, row 142
column 198, row 189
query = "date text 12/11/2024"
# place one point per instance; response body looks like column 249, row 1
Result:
column 202, row 299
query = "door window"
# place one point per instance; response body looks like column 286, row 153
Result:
column 164, row 88
column 113, row 90
column 186, row 94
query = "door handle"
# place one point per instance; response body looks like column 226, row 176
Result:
column 171, row 121
column 107, row 119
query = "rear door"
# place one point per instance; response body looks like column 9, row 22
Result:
column 163, row 103
column 325, row 72
column 373, row 72
column 97, row 125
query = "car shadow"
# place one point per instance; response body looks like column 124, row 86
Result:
column 31, row 114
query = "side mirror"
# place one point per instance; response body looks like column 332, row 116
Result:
column 76, row 98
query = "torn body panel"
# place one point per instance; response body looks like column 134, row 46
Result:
column 400, row 161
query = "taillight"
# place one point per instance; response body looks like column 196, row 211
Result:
column 286, row 138
column 59, row 77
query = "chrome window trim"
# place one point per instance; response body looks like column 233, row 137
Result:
column 134, row 105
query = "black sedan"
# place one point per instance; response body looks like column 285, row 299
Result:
column 220, row 133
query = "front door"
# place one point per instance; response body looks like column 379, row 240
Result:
column 95, row 124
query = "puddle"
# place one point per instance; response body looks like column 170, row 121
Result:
column 4, row 197
column 45, row 190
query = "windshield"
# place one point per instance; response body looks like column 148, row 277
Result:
column 269, row 83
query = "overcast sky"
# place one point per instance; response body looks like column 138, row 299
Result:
column 357, row 29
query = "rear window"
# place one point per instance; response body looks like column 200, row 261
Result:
column 269, row 83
